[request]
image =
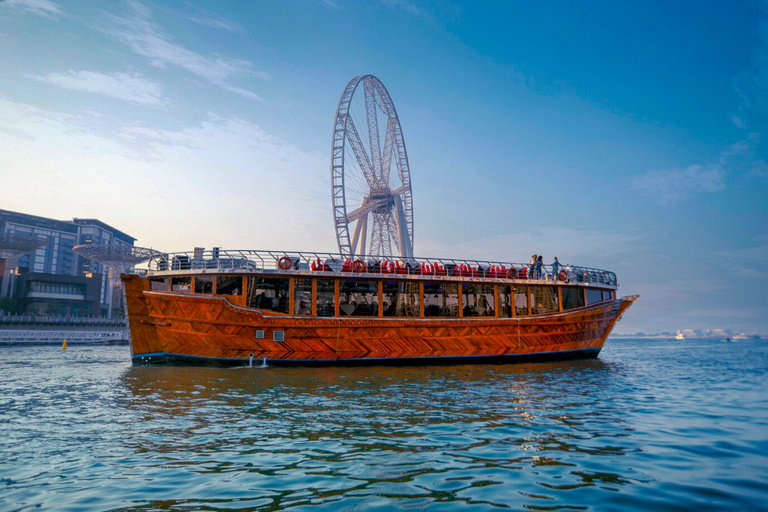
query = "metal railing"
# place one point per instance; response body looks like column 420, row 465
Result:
column 220, row 260
column 8, row 319
column 41, row 336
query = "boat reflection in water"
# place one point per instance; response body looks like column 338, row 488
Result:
column 446, row 433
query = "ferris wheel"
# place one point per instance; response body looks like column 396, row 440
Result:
column 368, row 197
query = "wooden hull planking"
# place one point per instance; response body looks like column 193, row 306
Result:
column 171, row 327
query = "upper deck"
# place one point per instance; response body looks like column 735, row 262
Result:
column 217, row 261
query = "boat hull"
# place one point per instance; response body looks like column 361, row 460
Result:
column 172, row 328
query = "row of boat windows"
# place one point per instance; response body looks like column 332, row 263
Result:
column 359, row 297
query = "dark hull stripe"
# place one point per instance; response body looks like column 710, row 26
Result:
column 167, row 358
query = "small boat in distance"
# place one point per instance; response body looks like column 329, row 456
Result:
column 223, row 307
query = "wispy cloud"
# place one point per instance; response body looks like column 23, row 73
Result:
column 751, row 89
column 41, row 7
column 750, row 260
column 751, row 86
column 216, row 22
column 211, row 19
column 406, row 6
column 739, row 159
column 124, row 86
column 145, row 37
column 215, row 171
column 677, row 184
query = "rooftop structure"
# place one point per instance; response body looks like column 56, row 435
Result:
column 52, row 278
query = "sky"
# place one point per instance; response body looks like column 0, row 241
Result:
column 626, row 136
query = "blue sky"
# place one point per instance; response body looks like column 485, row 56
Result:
column 618, row 135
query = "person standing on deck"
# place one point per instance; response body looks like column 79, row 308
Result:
column 532, row 268
column 540, row 267
column 556, row 266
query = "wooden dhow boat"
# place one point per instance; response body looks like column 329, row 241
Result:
column 290, row 308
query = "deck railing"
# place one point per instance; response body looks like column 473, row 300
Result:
column 41, row 336
column 9, row 318
column 220, row 260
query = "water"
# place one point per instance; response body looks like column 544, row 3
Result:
column 666, row 425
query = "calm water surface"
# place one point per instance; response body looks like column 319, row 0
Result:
column 657, row 424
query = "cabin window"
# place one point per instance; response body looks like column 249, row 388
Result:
column 594, row 296
column 609, row 294
column 477, row 300
column 572, row 297
column 326, row 305
column 302, row 296
column 543, row 300
column 358, row 298
column 521, row 300
column 505, row 301
column 158, row 284
column 268, row 293
column 401, row 298
column 204, row 284
column 441, row 299
column 181, row 284
column 229, row 285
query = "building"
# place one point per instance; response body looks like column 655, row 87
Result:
column 53, row 280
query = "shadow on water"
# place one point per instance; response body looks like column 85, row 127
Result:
column 314, row 436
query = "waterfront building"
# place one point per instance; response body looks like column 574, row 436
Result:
column 53, row 280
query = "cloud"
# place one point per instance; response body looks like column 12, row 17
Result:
column 224, row 181
column 759, row 169
column 44, row 8
column 751, row 90
column 145, row 37
column 407, row 6
column 132, row 88
column 749, row 261
column 751, row 86
column 677, row 184
column 217, row 22
column 211, row 19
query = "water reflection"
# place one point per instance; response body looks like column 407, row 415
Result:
column 651, row 425
column 459, row 434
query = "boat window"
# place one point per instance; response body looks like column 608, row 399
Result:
column 268, row 293
column 158, row 284
column 401, row 298
column 477, row 300
column 229, row 285
column 302, row 296
column 609, row 294
column 543, row 300
column 181, row 284
column 521, row 300
column 505, row 301
column 594, row 296
column 441, row 299
column 326, row 305
column 358, row 298
column 204, row 284
column 572, row 296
